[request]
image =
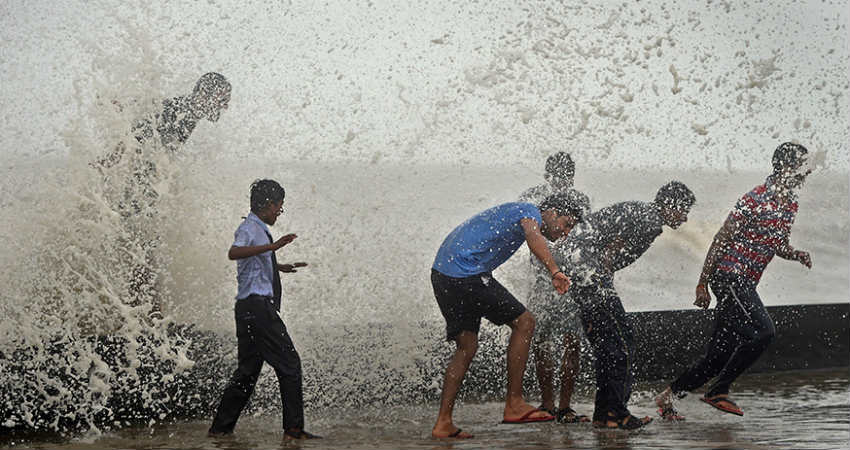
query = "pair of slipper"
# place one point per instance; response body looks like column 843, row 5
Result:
column 721, row 402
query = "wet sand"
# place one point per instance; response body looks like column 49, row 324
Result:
column 802, row 410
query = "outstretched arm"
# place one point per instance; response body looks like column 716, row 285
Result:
column 254, row 250
column 290, row 268
column 142, row 131
column 538, row 246
column 786, row 251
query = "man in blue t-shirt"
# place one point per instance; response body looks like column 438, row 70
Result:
column 466, row 291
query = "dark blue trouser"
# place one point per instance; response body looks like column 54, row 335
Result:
column 612, row 341
column 742, row 331
column 261, row 336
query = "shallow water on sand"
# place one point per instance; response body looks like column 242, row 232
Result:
column 806, row 410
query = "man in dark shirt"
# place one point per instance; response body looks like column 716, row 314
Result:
column 607, row 241
column 137, row 172
column 756, row 230
column 172, row 126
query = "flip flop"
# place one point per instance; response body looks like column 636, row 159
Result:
column 456, row 435
column 526, row 418
column 561, row 416
column 716, row 402
column 669, row 414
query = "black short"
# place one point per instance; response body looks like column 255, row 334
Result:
column 464, row 301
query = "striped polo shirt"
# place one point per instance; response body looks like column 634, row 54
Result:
column 766, row 225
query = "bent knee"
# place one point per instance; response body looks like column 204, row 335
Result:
column 525, row 323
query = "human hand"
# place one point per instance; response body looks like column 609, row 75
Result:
column 561, row 282
column 703, row 297
column 804, row 258
column 284, row 240
column 290, row 268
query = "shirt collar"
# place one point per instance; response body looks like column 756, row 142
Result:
column 655, row 215
column 253, row 217
column 770, row 187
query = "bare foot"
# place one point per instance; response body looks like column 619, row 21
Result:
column 664, row 400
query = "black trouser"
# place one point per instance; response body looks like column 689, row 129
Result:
column 742, row 331
column 612, row 341
column 261, row 337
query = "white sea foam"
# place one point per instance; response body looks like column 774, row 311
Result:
column 420, row 82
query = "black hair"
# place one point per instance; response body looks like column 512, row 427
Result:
column 565, row 204
column 212, row 82
column 264, row 193
column 675, row 195
column 788, row 156
column 561, row 165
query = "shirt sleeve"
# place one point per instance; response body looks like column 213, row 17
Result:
column 529, row 211
column 243, row 236
column 609, row 223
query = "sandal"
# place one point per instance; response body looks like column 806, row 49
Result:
column 552, row 412
column 669, row 414
column 568, row 415
column 629, row 422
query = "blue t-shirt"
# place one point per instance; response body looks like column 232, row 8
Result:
column 485, row 241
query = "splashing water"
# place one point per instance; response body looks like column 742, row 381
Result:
column 384, row 141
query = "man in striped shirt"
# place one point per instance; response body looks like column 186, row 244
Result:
column 757, row 229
